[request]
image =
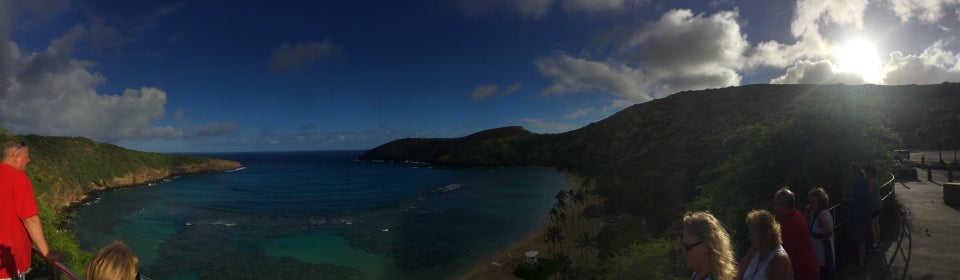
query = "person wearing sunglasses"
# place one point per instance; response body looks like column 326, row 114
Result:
column 706, row 247
column 766, row 258
column 19, row 217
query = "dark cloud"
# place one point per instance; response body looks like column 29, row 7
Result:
column 214, row 129
column 536, row 9
column 531, row 9
column 308, row 126
column 301, row 55
column 483, row 92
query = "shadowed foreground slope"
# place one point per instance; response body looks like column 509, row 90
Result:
column 649, row 159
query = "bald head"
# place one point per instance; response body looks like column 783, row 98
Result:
column 16, row 154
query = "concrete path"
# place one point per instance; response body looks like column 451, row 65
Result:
column 928, row 245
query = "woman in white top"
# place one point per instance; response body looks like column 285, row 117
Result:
column 821, row 230
column 766, row 259
column 706, row 247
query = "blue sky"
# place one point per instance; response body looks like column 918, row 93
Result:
column 214, row 76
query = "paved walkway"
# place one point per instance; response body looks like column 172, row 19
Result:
column 928, row 246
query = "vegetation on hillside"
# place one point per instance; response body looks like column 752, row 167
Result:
column 63, row 169
column 722, row 150
column 940, row 129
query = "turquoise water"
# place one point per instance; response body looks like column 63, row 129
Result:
column 318, row 215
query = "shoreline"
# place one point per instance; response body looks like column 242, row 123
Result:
column 484, row 267
column 94, row 195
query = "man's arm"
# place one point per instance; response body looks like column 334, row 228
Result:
column 35, row 230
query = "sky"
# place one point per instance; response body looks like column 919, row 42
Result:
column 229, row 76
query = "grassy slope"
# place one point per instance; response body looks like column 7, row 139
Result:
column 63, row 169
column 649, row 158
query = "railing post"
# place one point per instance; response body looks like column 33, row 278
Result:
column 929, row 174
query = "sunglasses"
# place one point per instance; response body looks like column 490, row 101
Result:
column 688, row 247
column 22, row 145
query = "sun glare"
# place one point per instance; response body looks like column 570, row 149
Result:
column 859, row 56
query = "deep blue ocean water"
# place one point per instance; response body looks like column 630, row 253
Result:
column 311, row 215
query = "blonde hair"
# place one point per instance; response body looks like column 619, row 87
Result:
column 113, row 262
column 765, row 225
column 708, row 229
column 821, row 196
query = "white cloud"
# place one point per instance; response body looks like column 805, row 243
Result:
column 933, row 65
column 300, row 56
column 50, row 93
column 809, row 14
column 681, row 51
column 617, row 105
column 578, row 113
column 572, row 74
column 927, row 11
column 819, row 72
column 483, row 92
column 776, row 54
column 544, row 126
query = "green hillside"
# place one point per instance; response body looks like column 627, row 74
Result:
column 724, row 150
column 65, row 169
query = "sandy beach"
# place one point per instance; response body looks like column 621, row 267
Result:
column 501, row 264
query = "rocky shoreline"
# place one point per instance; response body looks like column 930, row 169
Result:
column 145, row 178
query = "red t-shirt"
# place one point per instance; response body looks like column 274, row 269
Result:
column 17, row 203
column 796, row 241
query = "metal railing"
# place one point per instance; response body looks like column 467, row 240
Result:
column 58, row 268
column 886, row 189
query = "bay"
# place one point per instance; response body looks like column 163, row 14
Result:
column 316, row 215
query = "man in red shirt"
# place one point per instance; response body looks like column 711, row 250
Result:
column 796, row 236
column 19, row 220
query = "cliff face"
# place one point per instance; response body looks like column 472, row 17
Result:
column 62, row 195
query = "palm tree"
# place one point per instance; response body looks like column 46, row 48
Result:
column 561, row 199
column 554, row 236
column 585, row 242
column 554, row 215
column 579, row 198
column 563, row 264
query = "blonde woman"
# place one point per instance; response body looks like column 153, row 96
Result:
column 113, row 262
column 766, row 258
column 706, row 247
column 821, row 230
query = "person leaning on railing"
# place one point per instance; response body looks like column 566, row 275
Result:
column 876, row 204
column 19, row 217
column 860, row 210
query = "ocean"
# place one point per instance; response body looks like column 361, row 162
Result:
column 321, row 215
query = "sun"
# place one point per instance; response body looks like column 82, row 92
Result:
column 859, row 56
